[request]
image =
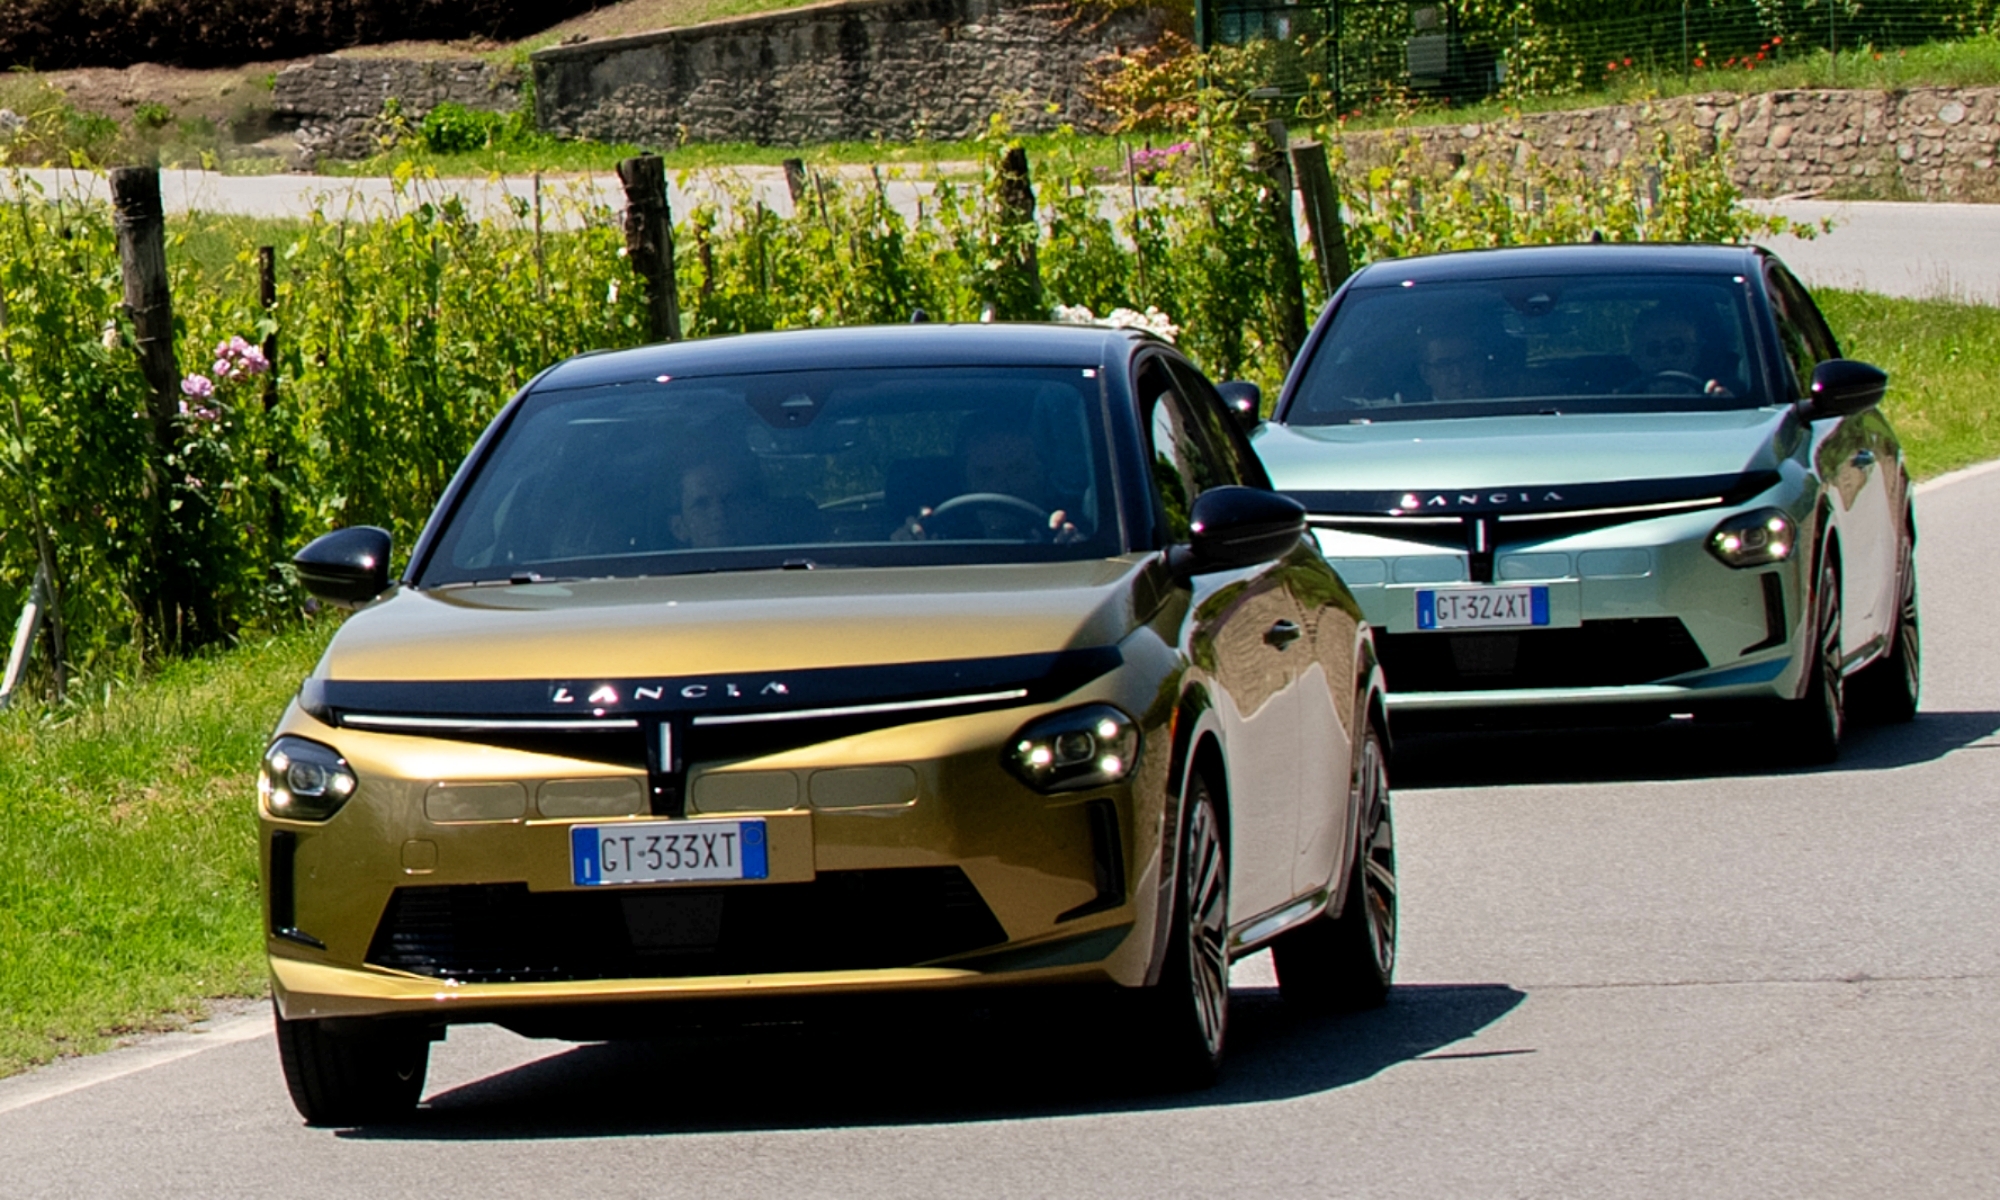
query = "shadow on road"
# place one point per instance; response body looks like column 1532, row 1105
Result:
column 1671, row 751
column 986, row 1068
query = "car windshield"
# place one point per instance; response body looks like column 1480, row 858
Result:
column 862, row 467
column 1475, row 348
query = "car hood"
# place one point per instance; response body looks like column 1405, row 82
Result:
column 731, row 622
column 1520, row 451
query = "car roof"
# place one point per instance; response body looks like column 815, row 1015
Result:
column 918, row 345
column 1590, row 258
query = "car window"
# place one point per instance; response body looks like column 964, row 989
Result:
column 861, row 467
column 1186, row 460
column 1795, row 334
column 1588, row 343
column 1207, row 406
column 1805, row 315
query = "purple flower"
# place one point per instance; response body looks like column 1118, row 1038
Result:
column 198, row 386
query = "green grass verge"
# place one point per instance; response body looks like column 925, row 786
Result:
column 128, row 870
column 128, row 865
column 1941, row 357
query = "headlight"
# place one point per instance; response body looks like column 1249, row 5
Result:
column 1082, row 748
column 1754, row 539
column 304, row 781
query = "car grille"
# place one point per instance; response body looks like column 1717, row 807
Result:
column 1595, row 654
column 843, row 920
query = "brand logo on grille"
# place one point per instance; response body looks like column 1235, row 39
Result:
column 605, row 695
column 1417, row 502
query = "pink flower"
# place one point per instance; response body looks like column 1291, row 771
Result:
column 198, row 386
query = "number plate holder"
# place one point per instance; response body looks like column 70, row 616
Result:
column 668, row 852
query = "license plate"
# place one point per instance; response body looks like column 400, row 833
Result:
column 668, row 852
column 1483, row 608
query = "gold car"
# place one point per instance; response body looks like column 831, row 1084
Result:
column 795, row 665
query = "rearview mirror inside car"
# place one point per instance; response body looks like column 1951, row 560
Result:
column 1245, row 401
column 1842, row 387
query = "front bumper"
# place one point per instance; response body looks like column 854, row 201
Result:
column 1640, row 615
column 964, row 879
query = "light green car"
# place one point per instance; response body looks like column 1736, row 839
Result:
column 1606, row 483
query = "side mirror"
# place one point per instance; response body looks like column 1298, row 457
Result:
column 1245, row 401
column 1842, row 387
column 348, row 566
column 1234, row 526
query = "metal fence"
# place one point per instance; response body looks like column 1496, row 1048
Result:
column 1360, row 53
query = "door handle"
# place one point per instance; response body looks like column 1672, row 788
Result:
column 1283, row 634
column 1864, row 458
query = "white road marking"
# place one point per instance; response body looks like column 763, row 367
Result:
column 64, row 1078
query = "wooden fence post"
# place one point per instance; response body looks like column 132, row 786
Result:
column 1324, row 224
column 267, row 296
column 795, row 181
column 1020, row 268
column 649, row 242
column 169, row 599
column 1288, row 288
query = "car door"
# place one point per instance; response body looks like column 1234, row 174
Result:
column 1324, row 670
column 1243, row 637
column 1851, row 459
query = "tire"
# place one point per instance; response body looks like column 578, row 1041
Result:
column 1811, row 726
column 1345, row 963
column 1888, row 688
column 1183, row 1020
column 357, row 1076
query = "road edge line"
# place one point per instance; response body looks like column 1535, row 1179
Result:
column 1959, row 476
column 116, row 1065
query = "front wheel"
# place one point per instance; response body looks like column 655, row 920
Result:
column 1183, row 1019
column 1345, row 963
column 353, row 1075
column 1810, row 727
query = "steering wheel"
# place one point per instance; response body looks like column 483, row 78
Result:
column 1674, row 383
column 1015, row 508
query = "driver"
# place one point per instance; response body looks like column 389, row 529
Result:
column 1670, row 352
column 1002, row 461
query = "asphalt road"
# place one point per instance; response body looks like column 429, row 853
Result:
column 1913, row 249
column 1642, row 966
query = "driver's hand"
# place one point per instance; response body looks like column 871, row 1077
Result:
column 1061, row 531
column 1716, row 389
column 912, row 528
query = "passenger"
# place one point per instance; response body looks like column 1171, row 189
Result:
column 724, row 504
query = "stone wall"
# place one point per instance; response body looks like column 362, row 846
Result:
column 854, row 70
column 1924, row 143
column 335, row 102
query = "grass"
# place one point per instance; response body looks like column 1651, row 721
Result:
column 128, row 866
column 128, row 873
column 1972, row 62
column 1940, row 356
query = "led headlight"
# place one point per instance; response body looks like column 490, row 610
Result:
column 304, row 781
column 1082, row 748
column 1754, row 539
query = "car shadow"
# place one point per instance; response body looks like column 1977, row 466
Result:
column 985, row 1068
column 1674, row 750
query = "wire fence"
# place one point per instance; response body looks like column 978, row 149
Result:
column 1363, row 53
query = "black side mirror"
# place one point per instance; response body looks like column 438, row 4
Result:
column 1842, row 387
column 348, row 566
column 1235, row 526
column 1245, row 401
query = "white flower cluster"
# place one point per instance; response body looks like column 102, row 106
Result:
column 1153, row 321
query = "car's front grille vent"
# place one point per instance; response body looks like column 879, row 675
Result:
column 1594, row 654
column 843, row 920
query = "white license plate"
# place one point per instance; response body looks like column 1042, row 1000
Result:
column 668, row 852
column 1483, row 608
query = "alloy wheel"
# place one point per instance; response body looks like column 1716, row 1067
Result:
column 1207, row 895
column 1378, row 858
